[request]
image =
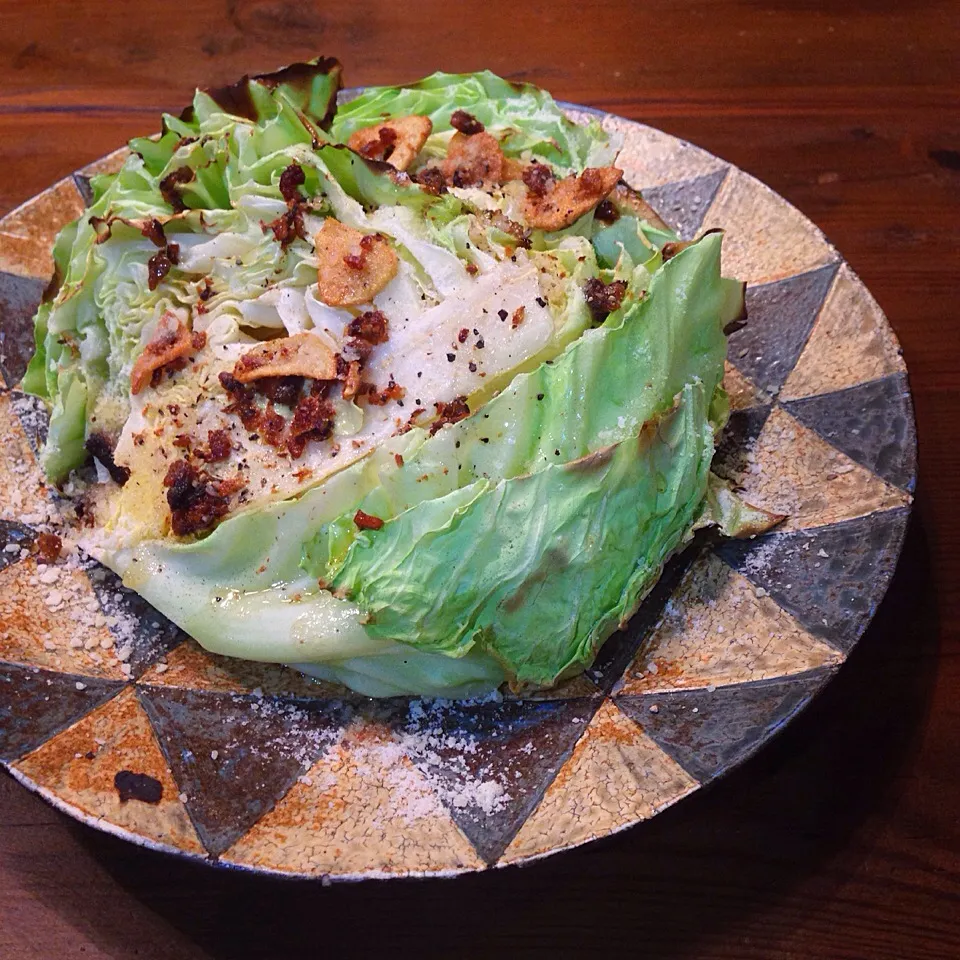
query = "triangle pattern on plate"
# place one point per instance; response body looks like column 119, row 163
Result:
column 19, row 299
column 141, row 633
column 719, row 629
column 683, row 203
column 26, row 234
column 36, row 704
column 616, row 776
column 650, row 157
column 872, row 423
column 54, row 625
column 780, row 317
column 765, row 238
column 362, row 808
column 233, row 756
column 305, row 744
column 189, row 666
column 794, row 471
column 109, row 766
column 26, row 496
column 490, row 762
column 831, row 578
column 850, row 344
column 709, row 731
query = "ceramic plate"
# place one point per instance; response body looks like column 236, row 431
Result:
column 120, row 720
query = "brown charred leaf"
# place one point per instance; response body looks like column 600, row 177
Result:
column 168, row 186
column 236, row 99
column 153, row 231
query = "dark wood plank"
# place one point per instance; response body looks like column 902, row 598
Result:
column 841, row 839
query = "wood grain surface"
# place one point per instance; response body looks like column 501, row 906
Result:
column 841, row 839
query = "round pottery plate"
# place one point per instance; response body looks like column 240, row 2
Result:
column 120, row 720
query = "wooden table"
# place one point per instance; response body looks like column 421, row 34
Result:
column 824, row 845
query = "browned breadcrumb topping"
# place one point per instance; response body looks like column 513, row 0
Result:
column 371, row 327
column 450, row 412
column 289, row 225
column 312, row 420
column 49, row 546
column 465, row 122
column 538, row 178
column 197, row 501
column 283, row 390
column 219, row 447
column 380, row 398
column 432, row 180
column 366, row 521
column 603, row 298
column 312, row 417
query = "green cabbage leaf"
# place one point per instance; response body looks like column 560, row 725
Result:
column 538, row 570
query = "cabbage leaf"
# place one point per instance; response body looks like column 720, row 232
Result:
column 538, row 570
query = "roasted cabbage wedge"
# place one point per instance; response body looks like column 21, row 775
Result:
column 413, row 393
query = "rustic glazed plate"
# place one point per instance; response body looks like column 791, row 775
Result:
column 120, row 720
